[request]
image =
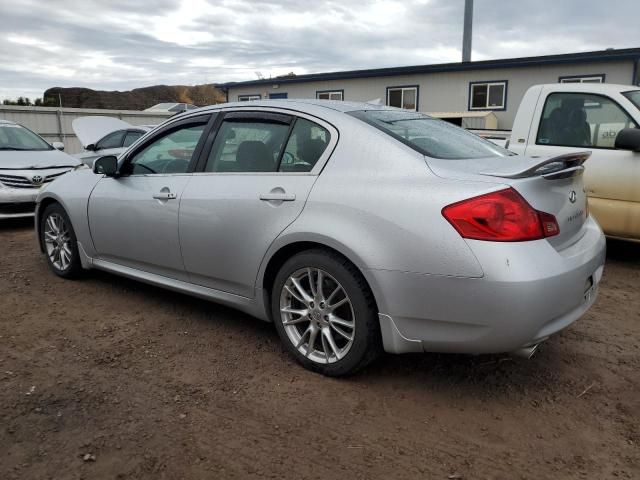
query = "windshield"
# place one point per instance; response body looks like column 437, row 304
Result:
column 634, row 96
column 429, row 136
column 16, row 137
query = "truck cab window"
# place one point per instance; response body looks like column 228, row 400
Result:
column 581, row 120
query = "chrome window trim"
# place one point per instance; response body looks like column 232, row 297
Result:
column 317, row 168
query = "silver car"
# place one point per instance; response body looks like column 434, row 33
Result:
column 355, row 228
column 27, row 163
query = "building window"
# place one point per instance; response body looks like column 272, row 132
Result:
column 599, row 78
column 330, row 94
column 403, row 97
column 488, row 95
column 248, row 98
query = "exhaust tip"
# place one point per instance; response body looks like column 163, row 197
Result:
column 526, row 352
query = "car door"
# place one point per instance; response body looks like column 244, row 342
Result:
column 252, row 183
column 584, row 121
column 134, row 217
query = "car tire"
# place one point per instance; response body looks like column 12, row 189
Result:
column 340, row 333
column 59, row 242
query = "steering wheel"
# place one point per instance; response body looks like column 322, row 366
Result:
column 175, row 165
column 287, row 158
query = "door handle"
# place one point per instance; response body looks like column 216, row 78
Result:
column 278, row 196
column 164, row 195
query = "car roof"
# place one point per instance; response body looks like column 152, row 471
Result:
column 300, row 104
column 607, row 88
column 7, row 122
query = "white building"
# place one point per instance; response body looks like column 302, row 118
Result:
column 483, row 94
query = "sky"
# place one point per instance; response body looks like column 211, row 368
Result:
column 124, row 44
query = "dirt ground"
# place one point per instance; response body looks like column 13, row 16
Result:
column 109, row 378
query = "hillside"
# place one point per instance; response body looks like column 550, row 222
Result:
column 136, row 99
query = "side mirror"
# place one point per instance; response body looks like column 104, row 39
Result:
column 91, row 147
column 107, row 165
column 58, row 146
column 628, row 139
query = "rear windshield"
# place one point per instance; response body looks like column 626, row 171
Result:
column 430, row 136
column 634, row 96
column 16, row 137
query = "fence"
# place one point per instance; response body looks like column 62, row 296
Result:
column 54, row 124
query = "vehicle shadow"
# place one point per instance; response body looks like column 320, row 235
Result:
column 477, row 374
column 623, row 251
column 16, row 224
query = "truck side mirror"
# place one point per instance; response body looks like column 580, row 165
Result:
column 628, row 139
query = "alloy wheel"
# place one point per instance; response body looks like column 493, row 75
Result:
column 317, row 315
column 57, row 239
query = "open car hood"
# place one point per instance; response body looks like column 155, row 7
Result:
column 91, row 129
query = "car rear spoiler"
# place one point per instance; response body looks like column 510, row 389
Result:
column 561, row 166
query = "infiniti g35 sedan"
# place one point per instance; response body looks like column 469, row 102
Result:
column 354, row 228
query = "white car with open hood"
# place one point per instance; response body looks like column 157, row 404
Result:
column 27, row 163
column 101, row 136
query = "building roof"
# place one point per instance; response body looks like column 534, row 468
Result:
column 581, row 57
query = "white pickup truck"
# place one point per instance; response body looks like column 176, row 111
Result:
column 602, row 118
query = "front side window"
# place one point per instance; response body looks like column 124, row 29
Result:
column 170, row 153
column 583, row 79
column 248, row 98
column 330, row 95
column 581, row 120
column 488, row 96
column 131, row 137
column 307, row 143
column 403, row 97
column 429, row 136
column 16, row 137
column 247, row 146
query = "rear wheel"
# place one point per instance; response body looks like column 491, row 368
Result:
column 59, row 241
column 325, row 313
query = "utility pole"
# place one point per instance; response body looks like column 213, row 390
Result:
column 467, row 32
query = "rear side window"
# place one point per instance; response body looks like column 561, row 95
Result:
column 581, row 120
column 247, row 146
column 131, row 137
column 306, row 145
column 429, row 136
column 113, row 140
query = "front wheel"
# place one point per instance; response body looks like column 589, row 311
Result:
column 59, row 242
column 325, row 313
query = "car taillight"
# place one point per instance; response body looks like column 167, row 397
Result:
column 502, row 216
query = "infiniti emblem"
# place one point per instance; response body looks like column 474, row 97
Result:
column 572, row 196
column 36, row 179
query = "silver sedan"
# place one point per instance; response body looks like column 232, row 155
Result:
column 354, row 228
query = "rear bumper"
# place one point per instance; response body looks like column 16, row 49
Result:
column 17, row 202
column 529, row 291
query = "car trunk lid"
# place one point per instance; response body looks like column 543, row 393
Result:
column 553, row 185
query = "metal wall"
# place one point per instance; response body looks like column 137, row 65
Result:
column 449, row 92
column 54, row 124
